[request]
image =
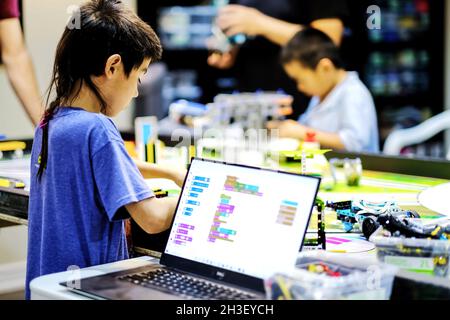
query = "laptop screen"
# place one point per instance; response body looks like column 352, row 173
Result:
column 247, row 220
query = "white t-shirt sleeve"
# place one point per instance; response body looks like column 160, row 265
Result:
column 356, row 121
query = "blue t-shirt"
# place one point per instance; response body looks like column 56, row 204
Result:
column 76, row 210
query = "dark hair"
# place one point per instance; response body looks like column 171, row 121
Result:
column 106, row 27
column 308, row 47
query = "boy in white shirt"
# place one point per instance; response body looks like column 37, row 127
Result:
column 341, row 112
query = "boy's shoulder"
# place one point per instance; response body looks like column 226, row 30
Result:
column 88, row 122
column 83, row 118
column 354, row 86
column 354, row 79
column 103, row 121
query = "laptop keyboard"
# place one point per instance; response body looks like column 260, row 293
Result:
column 184, row 285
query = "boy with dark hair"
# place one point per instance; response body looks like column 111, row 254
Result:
column 84, row 184
column 341, row 113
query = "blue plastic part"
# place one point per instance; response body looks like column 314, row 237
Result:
column 346, row 212
column 239, row 38
column 348, row 226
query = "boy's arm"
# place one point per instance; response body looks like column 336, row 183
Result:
column 153, row 215
column 332, row 27
column 329, row 140
column 151, row 170
column 280, row 32
column 293, row 129
column 236, row 19
column 19, row 68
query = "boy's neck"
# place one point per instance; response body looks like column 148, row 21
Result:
column 85, row 100
column 337, row 79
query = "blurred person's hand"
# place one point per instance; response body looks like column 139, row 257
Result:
column 235, row 19
column 223, row 60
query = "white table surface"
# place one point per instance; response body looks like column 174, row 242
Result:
column 48, row 288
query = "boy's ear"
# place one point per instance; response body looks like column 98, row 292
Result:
column 113, row 64
column 325, row 64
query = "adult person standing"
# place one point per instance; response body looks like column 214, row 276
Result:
column 17, row 61
column 269, row 25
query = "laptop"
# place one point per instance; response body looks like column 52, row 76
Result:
column 234, row 226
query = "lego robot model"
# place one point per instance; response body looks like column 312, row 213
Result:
column 366, row 214
column 403, row 226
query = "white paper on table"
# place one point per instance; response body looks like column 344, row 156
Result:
column 436, row 198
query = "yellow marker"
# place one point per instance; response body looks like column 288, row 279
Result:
column 192, row 153
column 11, row 183
column 12, row 145
column 151, row 154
